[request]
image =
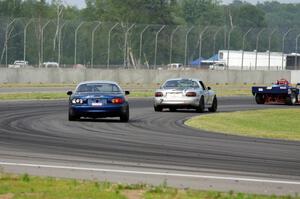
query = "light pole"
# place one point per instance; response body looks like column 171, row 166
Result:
column 171, row 43
column 256, row 50
column 125, row 62
column 93, row 38
column 243, row 47
column 156, row 37
column 108, row 45
column 42, row 42
column 75, row 42
column 186, row 45
column 200, row 43
column 6, row 39
column 283, row 42
column 269, row 58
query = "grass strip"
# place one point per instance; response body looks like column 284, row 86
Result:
column 221, row 90
column 146, row 90
column 270, row 123
column 54, row 95
column 32, row 96
column 25, row 186
column 35, row 85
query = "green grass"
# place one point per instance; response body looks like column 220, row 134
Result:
column 50, row 188
column 137, row 91
column 232, row 89
column 31, row 96
column 275, row 124
column 54, row 95
column 28, row 85
column 29, row 187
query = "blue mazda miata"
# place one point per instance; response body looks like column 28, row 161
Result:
column 97, row 99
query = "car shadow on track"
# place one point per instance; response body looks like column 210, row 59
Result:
column 99, row 120
column 186, row 111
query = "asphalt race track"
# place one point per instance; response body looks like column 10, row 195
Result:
column 155, row 148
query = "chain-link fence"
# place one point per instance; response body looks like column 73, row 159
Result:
column 118, row 45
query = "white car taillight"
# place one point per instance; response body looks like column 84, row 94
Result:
column 191, row 94
column 158, row 94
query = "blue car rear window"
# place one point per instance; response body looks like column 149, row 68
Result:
column 99, row 87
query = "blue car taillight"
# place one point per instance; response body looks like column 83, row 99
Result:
column 117, row 101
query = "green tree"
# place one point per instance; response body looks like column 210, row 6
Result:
column 281, row 15
column 11, row 8
column 202, row 12
column 246, row 15
column 131, row 11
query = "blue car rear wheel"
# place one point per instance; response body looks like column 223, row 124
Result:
column 124, row 117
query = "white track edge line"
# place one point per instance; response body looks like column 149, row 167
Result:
column 153, row 173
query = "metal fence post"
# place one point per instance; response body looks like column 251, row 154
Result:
column 93, row 38
column 296, row 51
column 156, row 37
column 42, row 41
column 75, row 42
column 283, row 42
column 171, row 43
column 6, row 40
column 225, row 37
column 256, row 50
column 141, row 42
column 200, row 43
column 228, row 46
column 269, row 58
column 25, row 38
column 125, row 64
column 215, row 38
column 186, row 45
column 59, row 42
column 243, row 47
column 108, row 45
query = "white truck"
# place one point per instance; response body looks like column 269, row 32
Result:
column 249, row 60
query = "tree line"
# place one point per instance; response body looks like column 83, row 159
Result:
column 168, row 12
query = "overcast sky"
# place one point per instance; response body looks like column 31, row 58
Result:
column 81, row 3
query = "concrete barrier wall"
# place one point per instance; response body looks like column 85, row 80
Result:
column 295, row 77
column 141, row 76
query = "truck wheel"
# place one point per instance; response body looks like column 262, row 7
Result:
column 172, row 109
column 200, row 108
column 158, row 109
column 214, row 105
column 259, row 98
column 291, row 99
